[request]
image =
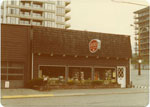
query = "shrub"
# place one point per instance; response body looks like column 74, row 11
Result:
column 87, row 82
column 34, row 82
column 107, row 82
column 71, row 82
column 97, row 82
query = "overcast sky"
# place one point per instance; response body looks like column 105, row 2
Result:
column 104, row 15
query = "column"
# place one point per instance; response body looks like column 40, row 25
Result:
column 92, row 72
column 66, row 73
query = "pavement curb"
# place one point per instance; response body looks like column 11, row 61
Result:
column 139, row 86
column 64, row 95
column 27, row 96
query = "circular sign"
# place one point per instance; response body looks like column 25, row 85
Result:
column 94, row 45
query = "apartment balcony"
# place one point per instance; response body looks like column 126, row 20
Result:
column 43, row 1
column 136, row 17
column 67, row 26
column 60, row 14
column 136, row 38
column 60, row 6
column 136, row 49
column 136, row 22
column 144, row 48
column 67, row 2
column 145, row 54
column 31, row 8
column 23, row 16
column 67, row 18
column 39, row 1
column 26, row 15
column 136, row 43
column 2, row 6
column 144, row 37
column 142, row 16
column 141, row 21
column 144, row 42
column 37, row 6
column 143, row 32
column 59, row 22
column 142, row 26
column 67, row 9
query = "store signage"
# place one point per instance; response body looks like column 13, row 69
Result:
column 6, row 84
column 94, row 45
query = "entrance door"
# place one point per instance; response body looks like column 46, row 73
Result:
column 121, row 74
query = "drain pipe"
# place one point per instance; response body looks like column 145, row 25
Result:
column 32, row 54
column 32, row 66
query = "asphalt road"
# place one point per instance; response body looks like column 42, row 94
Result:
column 139, row 99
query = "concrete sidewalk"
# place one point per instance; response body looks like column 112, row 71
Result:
column 29, row 93
column 142, row 80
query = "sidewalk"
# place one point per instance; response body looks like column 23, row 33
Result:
column 140, row 80
column 28, row 93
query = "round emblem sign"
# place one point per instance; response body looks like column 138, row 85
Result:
column 94, row 45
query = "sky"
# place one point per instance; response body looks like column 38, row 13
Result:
column 104, row 16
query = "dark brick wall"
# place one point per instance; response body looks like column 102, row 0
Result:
column 72, row 42
column 15, row 45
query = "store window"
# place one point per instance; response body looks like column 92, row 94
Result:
column 79, row 73
column 105, row 74
column 53, row 72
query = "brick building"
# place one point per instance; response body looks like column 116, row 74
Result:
column 29, row 52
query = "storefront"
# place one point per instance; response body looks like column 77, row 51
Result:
column 71, row 54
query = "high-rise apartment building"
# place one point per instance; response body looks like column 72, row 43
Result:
column 48, row 13
column 142, row 33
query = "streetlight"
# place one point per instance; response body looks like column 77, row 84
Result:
column 139, row 66
column 140, row 30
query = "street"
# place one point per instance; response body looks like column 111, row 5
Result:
column 104, row 98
